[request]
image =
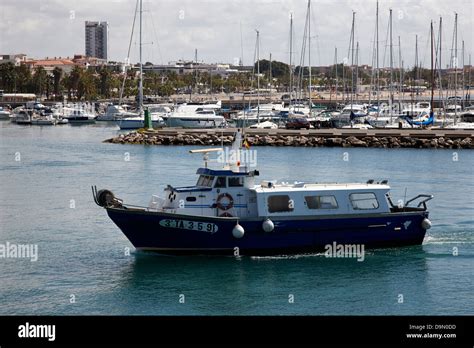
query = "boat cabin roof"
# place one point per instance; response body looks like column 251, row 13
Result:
column 270, row 187
column 213, row 172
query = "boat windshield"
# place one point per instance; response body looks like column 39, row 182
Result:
column 205, row 181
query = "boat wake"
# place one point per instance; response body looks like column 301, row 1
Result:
column 429, row 240
column 287, row 257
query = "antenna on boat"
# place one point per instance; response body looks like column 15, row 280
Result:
column 205, row 154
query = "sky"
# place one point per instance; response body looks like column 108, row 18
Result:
column 221, row 29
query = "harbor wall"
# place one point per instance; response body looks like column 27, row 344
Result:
column 438, row 139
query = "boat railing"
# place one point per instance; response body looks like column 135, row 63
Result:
column 422, row 202
column 156, row 203
column 406, row 207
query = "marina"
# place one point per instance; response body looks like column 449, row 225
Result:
column 303, row 163
column 95, row 261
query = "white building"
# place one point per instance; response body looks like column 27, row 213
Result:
column 97, row 38
column 15, row 59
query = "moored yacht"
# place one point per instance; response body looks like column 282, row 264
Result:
column 354, row 113
column 271, row 112
column 116, row 113
column 43, row 120
column 4, row 114
column 157, row 114
column 22, row 116
column 200, row 118
column 78, row 116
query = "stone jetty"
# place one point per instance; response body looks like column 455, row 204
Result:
column 438, row 139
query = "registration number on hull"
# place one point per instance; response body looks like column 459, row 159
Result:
column 190, row 225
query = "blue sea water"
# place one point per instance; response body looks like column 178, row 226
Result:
column 83, row 267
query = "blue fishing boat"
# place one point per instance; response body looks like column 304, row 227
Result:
column 227, row 211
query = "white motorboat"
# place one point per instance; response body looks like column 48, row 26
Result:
column 259, row 114
column 264, row 125
column 358, row 126
column 22, row 116
column 78, row 116
column 199, row 119
column 415, row 110
column 4, row 114
column 139, row 122
column 351, row 114
column 158, row 114
column 43, row 120
column 190, row 108
column 116, row 113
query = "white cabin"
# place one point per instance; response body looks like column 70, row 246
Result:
column 225, row 193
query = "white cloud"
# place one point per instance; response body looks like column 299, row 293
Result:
column 45, row 28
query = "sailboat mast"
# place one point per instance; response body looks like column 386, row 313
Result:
column 337, row 78
column 357, row 71
column 391, row 70
column 258, row 76
column 432, row 67
column 309, row 56
column 463, row 81
column 377, row 57
column 122, row 89
column 140, row 87
column 440, row 66
column 352, row 61
column 416, row 63
column 455, row 66
column 241, row 46
column 270, row 77
column 469, row 80
column 400, row 65
column 291, row 58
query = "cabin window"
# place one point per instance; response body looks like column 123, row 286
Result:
column 279, row 204
column 190, row 199
column 200, row 181
column 236, row 181
column 321, row 202
column 207, row 181
column 364, row 201
column 220, row 182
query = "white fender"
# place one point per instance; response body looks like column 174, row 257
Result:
column 268, row 225
column 238, row 231
column 426, row 224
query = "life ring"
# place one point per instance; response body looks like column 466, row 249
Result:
column 222, row 206
column 226, row 214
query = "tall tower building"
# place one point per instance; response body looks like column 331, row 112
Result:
column 97, row 35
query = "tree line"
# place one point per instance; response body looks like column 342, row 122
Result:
column 95, row 83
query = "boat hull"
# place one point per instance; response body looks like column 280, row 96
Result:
column 136, row 124
column 195, row 123
column 174, row 234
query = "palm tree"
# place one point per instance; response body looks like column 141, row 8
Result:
column 7, row 77
column 87, row 86
column 72, row 81
column 40, row 80
column 57, row 74
column 23, row 79
column 105, row 82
